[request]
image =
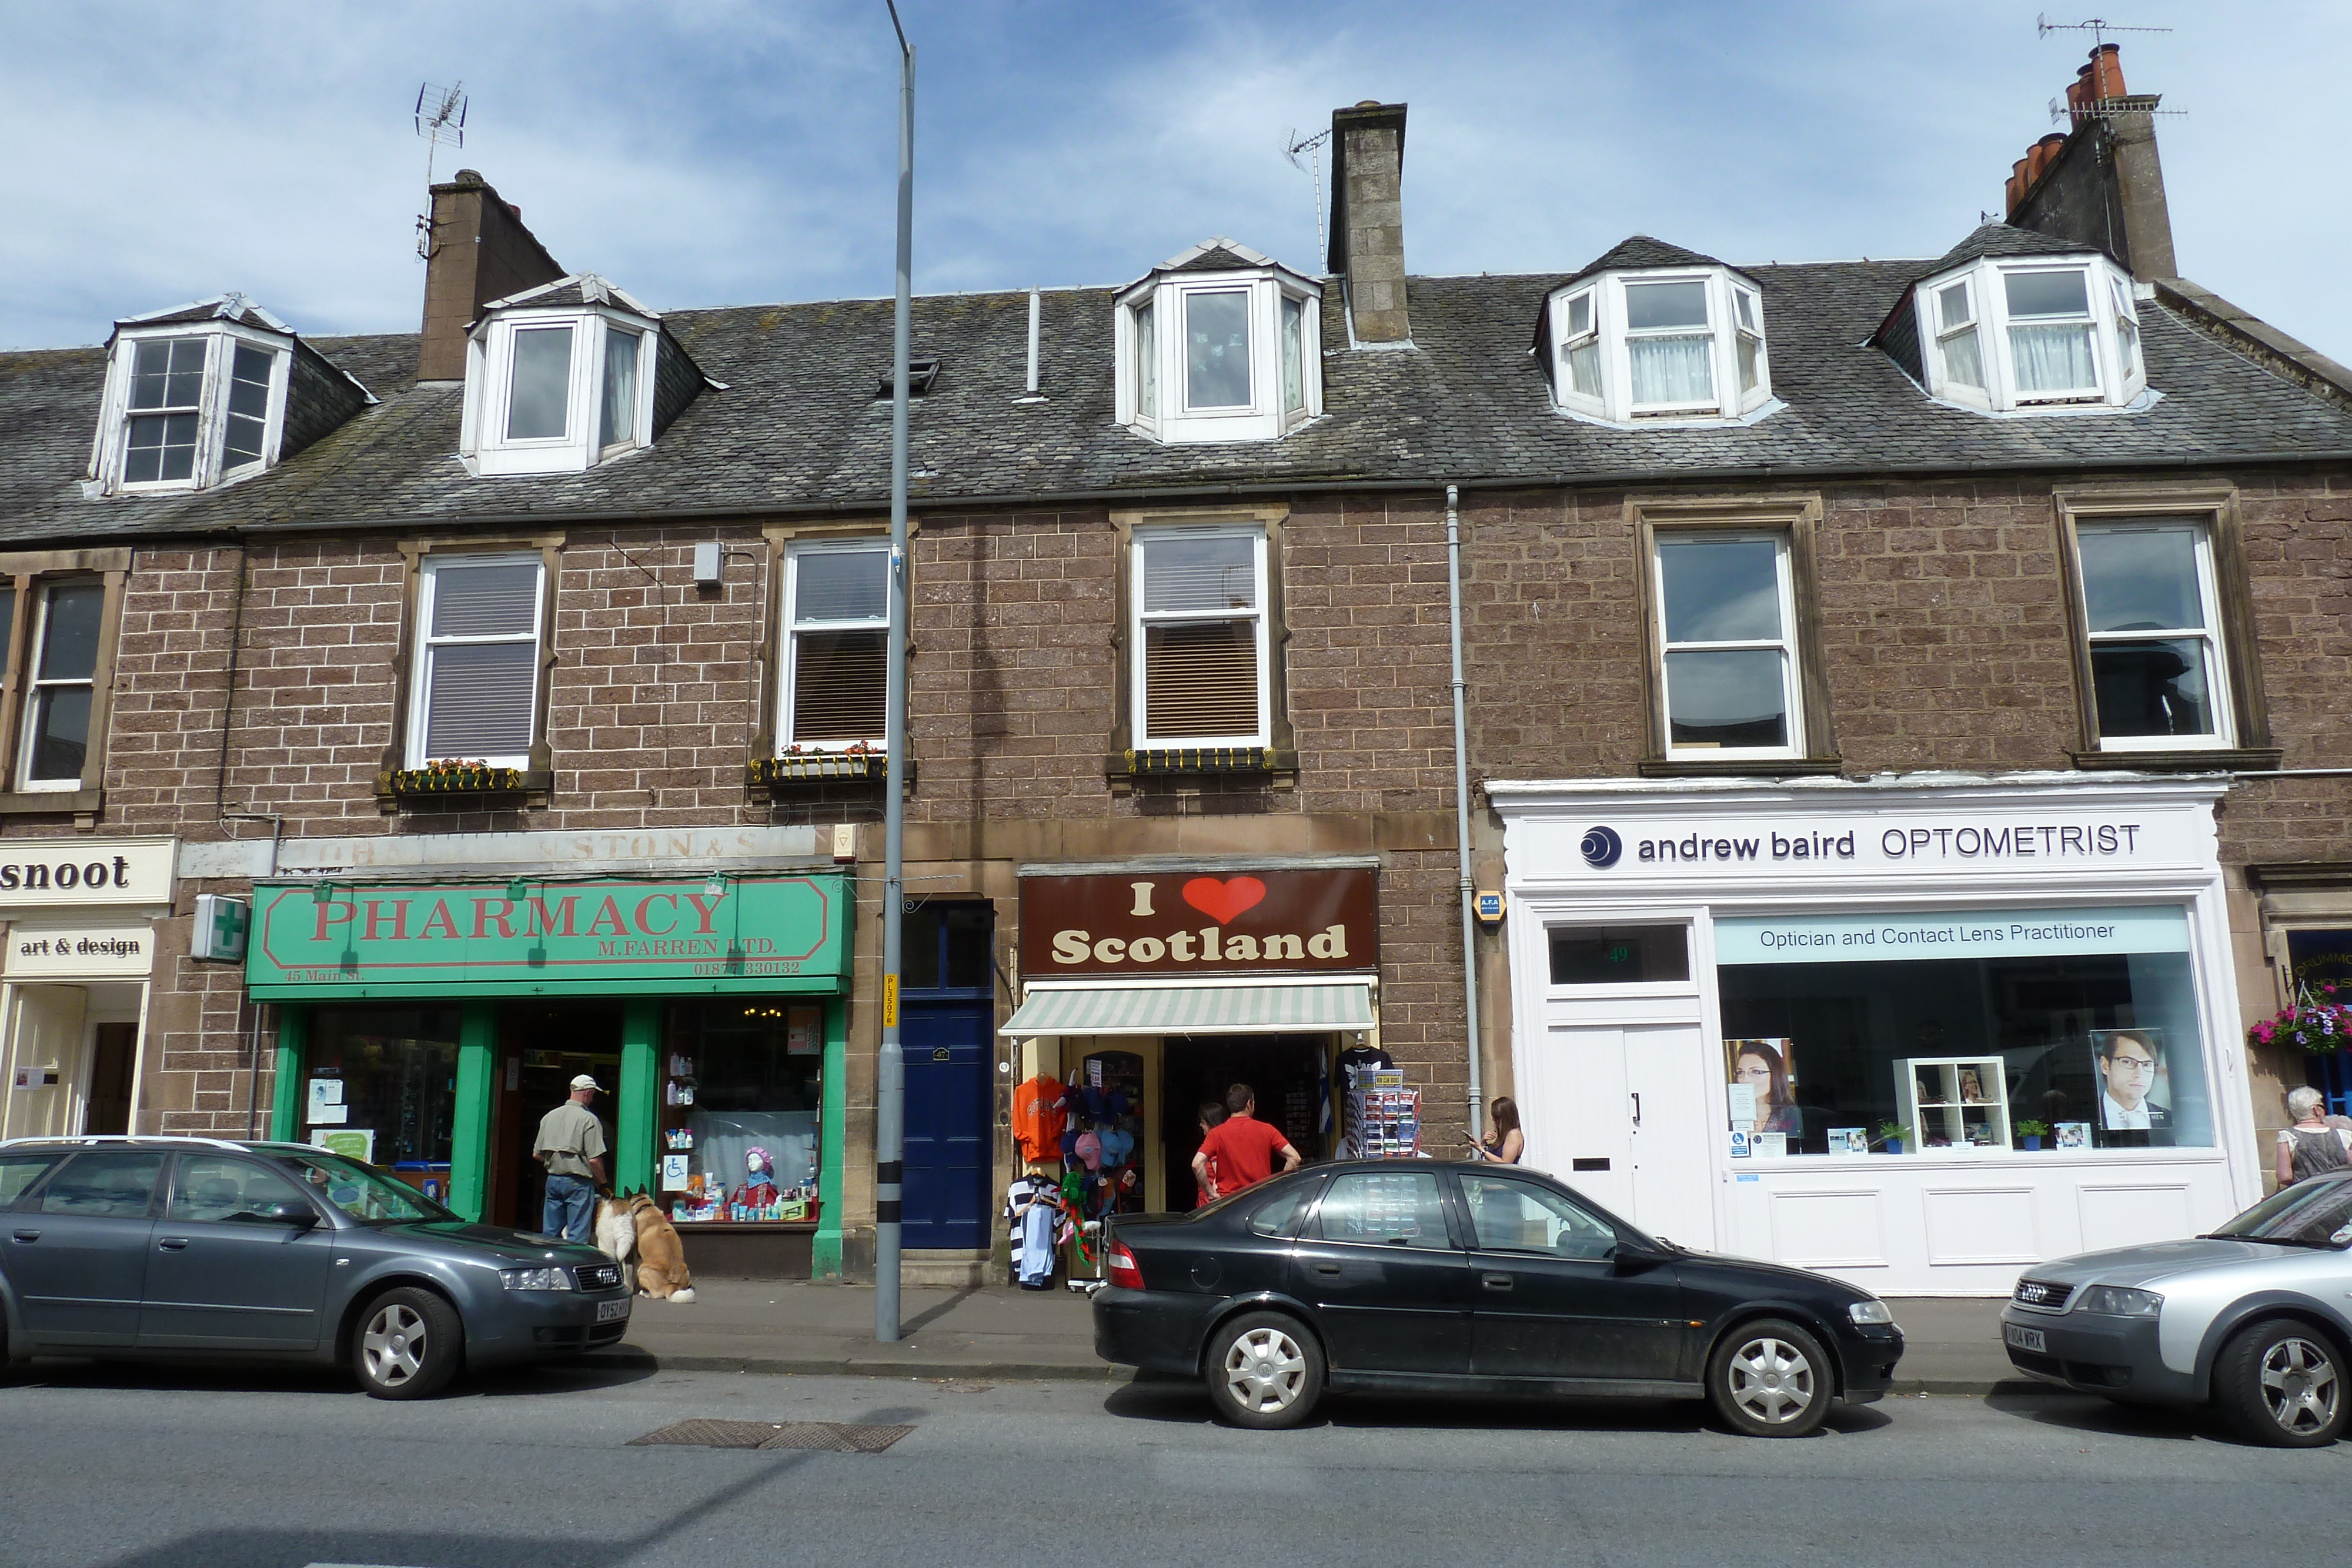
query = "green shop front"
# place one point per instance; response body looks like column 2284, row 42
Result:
column 427, row 1027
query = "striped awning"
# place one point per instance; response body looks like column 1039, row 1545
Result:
column 1306, row 1006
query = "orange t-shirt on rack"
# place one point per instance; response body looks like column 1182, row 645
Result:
column 1038, row 1118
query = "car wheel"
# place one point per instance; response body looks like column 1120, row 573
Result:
column 407, row 1344
column 1771, row 1379
column 2281, row 1382
column 1266, row 1371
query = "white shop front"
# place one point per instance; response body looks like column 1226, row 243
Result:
column 75, row 963
column 1916, row 1033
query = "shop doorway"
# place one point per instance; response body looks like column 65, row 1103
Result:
column 72, row 1051
column 1287, row 1071
column 542, row 1046
column 946, row 1033
column 113, row 1051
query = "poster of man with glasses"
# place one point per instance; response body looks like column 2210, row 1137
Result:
column 2133, row 1092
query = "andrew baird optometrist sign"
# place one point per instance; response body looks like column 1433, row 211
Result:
column 2008, row 839
column 311, row 940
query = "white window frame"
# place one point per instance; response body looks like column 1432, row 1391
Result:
column 420, row 677
column 1611, row 335
column 791, row 626
column 1137, row 621
column 35, row 686
column 222, row 339
column 1571, row 340
column 2113, row 318
column 2218, row 696
column 1789, row 644
column 1149, row 324
column 490, row 390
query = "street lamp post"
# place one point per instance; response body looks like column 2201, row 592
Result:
column 890, row 1089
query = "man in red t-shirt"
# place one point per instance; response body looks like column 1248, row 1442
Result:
column 1240, row 1152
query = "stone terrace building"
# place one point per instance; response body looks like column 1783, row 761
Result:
column 1751, row 556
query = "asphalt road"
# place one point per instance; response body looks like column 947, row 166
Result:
column 143, row 1466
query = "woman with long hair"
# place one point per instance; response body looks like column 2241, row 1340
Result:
column 1508, row 1143
column 1757, row 1064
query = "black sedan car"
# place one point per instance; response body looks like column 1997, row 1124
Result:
column 194, row 1247
column 1428, row 1277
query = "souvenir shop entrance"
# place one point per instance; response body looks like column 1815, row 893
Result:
column 1292, row 1076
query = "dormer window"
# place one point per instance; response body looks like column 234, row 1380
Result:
column 561, row 379
column 1220, row 344
column 2020, row 334
column 197, row 396
column 1679, row 345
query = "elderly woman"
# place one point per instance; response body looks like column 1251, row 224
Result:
column 2311, row 1148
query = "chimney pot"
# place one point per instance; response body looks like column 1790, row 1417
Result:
column 2106, row 73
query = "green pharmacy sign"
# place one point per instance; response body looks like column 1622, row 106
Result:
column 594, row 936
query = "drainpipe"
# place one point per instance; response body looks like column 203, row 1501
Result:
column 1462, row 797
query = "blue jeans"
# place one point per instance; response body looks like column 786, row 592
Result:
column 571, row 1205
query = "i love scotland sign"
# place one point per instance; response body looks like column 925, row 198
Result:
column 1199, row 923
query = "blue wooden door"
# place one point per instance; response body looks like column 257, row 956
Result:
column 947, row 1051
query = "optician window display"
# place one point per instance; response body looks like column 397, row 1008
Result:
column 2082, row 1023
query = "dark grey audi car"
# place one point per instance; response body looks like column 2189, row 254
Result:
column 1475, row 1278
column 196, row 1247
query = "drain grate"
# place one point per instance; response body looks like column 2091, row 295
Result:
column 825, row 1437
column 835, row 1437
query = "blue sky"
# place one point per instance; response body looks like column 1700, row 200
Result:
column 724, row 153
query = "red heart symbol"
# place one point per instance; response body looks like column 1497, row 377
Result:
column 1223, row 901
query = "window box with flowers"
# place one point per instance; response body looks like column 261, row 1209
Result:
column 445, row 776
column 855, row 763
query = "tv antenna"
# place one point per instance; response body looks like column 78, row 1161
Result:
column 2097, row 27
column 1293, row 144
column 441, row 121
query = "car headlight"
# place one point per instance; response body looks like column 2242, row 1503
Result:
column 1871, row 1312
column 536, row 1278
column 2119, row 1302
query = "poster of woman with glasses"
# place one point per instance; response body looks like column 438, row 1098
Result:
column 2133, row 1093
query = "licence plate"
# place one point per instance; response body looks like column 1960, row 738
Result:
column 2024, row 1338
column 607, row 1311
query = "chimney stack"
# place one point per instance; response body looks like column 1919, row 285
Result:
column 479, row 251
column 2103, row 186
column 1368, row 219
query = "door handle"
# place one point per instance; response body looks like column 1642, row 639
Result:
column 1637, row 1110
column 1496, row 1282
column 29, row 1236
column 1327, row 1268
column 173, row 1243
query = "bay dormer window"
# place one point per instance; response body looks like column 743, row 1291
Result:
column 1675, row 344
column 197, row 396
column 562, row 378
column 2030, row 334
column 1219, row 344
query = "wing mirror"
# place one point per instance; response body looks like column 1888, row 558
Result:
column 301, row 1216
column 1633, row 1256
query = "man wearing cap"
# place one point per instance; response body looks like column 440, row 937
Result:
column 570, row 1144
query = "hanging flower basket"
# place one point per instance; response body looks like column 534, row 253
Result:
column 449, row 775
column 2320, row 1021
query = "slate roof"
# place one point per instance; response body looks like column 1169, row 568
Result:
column 234, row 307
column 2000, row 239
column 797, row 426
column 1639, row 253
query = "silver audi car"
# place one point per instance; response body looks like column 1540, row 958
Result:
column 2255, row 1317
column 196, row 1247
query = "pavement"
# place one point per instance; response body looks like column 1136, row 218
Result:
column 999, row 1333
column 160, row 1466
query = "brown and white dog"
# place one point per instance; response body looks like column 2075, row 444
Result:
column 633, row 1231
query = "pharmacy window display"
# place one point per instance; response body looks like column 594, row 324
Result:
column 739, row 1113
column 2027, row 1029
